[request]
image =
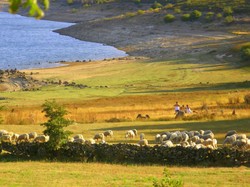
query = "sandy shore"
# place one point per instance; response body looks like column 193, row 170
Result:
column 143, row 35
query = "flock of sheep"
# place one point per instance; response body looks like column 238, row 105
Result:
column 11, row 137
column 195, row 139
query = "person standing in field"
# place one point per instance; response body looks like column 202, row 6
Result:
column 176, row 107
column 188, row 110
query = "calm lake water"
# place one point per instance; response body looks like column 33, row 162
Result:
column 27, row 43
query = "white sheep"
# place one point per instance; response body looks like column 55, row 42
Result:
column 194, row 138
column 32, row 135
column 241, row 136
column 167, row 143
column 23, row 138
column 14, row 137
column 230, row 139
column 158, row 139
column 78, row 136
column 207, row 136
column 135, row 132
column 108, row 133
column 6, row 138
column 142, row 140
column 230, row 133
column 90, row 141
column 99, row 136
column 130, row 134
column 79, row 140
column 41, row 138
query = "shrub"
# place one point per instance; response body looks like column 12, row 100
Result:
column 169, row 18
column 185, row 17
column 167, row 181
column 169, row 6
column 177, row 10
column 156, row 5
column 247, row 99
column 209, row 16
column 130, row 14
column 245, row 53
column 229, row 19
column 70, row 2
column 195, row 15
column 227, row 11
column 219, row 16
column 55, row 124
column 140, row 12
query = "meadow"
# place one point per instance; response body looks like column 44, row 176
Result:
column 117, row 91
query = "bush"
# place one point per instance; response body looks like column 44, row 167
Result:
column 167, row 181
column 245, row 53
column 177, row 10
column 195, row 15
column 156, row 5
column 169, row 6
column 229, row 19
column 227, row 11
column 169, row 18
column 70, row 2
column 209, row 16
column 219, row 16
column 130, row 14
column 140, row 12
column 55, row 124
column 185, row 17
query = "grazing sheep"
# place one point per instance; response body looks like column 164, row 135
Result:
column 78, row 136
column 241, row 136
column 167, row 143
column 135, row 131
column 199, row 141
column 6, row 138
column 185, row 144
column 79, row 140
column 230, row 133
column 108, row 133
column 2, row 132
column 241, row 144
column 32, row 135
column 41, row 139
column 23, row 138
column 143, row 142
column 184, row 136
column 99, row 136
column 130, row 134
column 142, row 136
column 230, row 139
column 176, row 137
column 207, row 136
column 90, row 141
column 14, row 137
column 212, row 143
column 158, row 139
column 195, row 138
column 207, row 132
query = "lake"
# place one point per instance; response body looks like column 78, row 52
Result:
column 27, row 43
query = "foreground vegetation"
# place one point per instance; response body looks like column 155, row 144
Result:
column 93, row 174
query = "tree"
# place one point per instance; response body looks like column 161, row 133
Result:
column 34, row 6
column 54, row 127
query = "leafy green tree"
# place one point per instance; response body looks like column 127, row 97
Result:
column 36, row 7
column 54, row 127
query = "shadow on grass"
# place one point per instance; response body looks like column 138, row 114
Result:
column 204, row 87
